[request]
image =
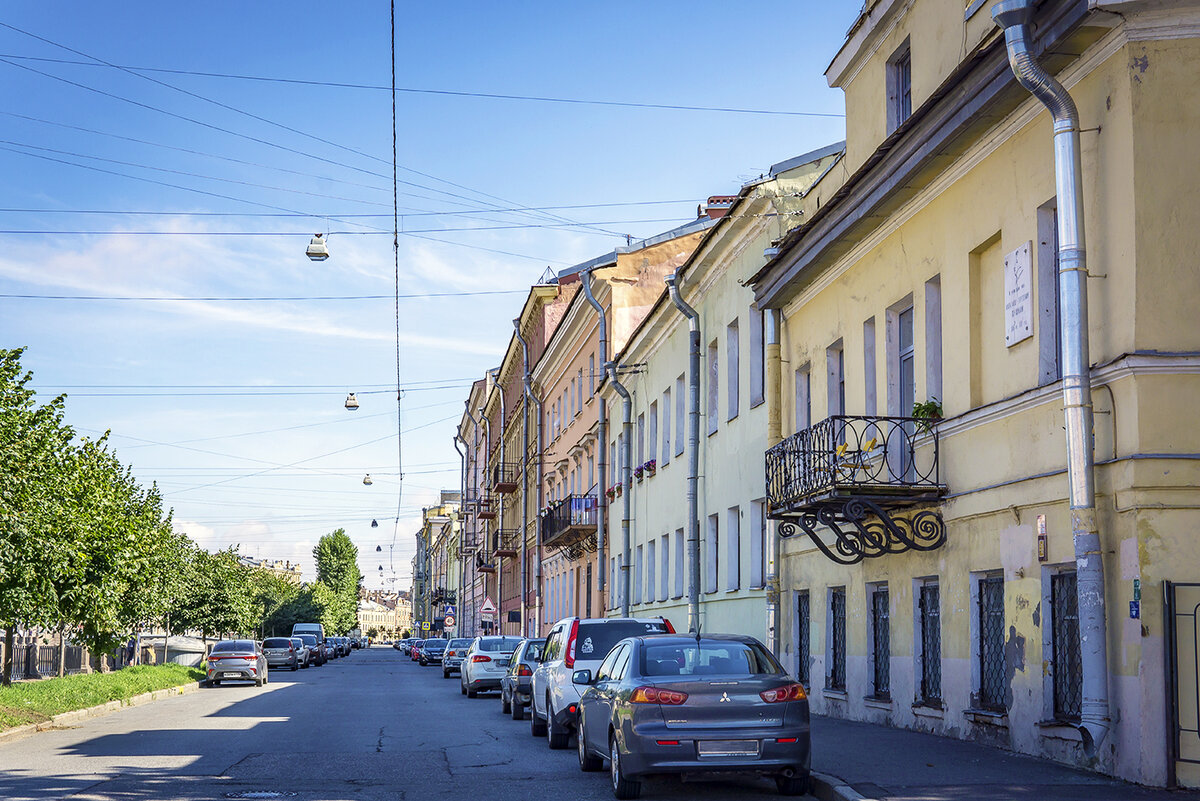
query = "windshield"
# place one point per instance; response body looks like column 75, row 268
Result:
column 460, row 644
column 708, row 658
column 233, row 645
column 277, row 642
column 435, row 643
column 499, row 644
column 309, row 639
column 595, row 640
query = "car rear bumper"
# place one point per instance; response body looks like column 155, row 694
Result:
column 232, row 674
column 281, row 662
column 484, row 683
column 645, row 756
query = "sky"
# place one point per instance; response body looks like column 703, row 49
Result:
column 190, row 152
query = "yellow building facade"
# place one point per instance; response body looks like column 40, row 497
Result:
column 925, row 274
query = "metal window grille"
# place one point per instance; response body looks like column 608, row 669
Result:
column 991, row 643
column 804, row 633
column 1068, row 668
column 880, row 632
column 837, row 640
column 931, row 644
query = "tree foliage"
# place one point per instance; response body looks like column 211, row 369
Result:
column 338, row 581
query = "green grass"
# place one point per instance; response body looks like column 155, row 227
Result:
column 38, row 701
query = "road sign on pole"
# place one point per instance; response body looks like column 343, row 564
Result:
column 449, row 621
column 424, row 625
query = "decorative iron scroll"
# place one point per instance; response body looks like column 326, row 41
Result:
column 863, row 529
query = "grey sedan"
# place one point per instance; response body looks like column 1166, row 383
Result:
column 515, row 686
column 688, row 705
column 456, row 651
column 236, row 660
column 281, row 652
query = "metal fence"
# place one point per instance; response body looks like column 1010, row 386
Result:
column 804, row 632
column 991, row 643
column 1068, row 666
column 931, row 645
column 34, row 661
column 881, row 633
column 837, row 639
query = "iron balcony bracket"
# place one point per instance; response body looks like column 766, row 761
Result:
column 863, row 529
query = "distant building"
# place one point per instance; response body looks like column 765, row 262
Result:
column 290, row 571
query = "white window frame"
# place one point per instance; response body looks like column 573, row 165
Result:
column 680, row 560
column 650, row 555
column 652, row 433
column 712, row 553
column 802, row 414
column 664, row 549
column 758, row 357
column 666, row 428
column 733, row 350
column 714, row 389
column 733, row 549
column 758, row 545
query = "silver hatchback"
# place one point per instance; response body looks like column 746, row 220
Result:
column 282, row 652
column 486, row 663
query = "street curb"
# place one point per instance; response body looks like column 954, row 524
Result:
column 76, row 715
column 831, row 788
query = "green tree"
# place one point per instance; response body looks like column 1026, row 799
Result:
column 337, row 570
column 273, row 597
column 219, row 597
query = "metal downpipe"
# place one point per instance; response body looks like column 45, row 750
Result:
column 500, row 621
column 1014, row 17
column 487, row 443
column 693, row 474
column 626, row 453
column 524, row 481
column 602, row 438
column 773, row 387
column 462, row 531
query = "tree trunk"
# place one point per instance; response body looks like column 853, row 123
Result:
column 9, row 638
column 62, row 653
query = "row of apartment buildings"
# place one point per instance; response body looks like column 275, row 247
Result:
column 891, row 419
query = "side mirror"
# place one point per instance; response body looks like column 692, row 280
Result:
column 581, row 677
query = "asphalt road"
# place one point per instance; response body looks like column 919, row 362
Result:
column 369, row 726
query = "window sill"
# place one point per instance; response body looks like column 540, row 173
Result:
column 872, row 702
column 925, row 711
column 756, row 402
column 834, row 695
column 732, row 590
column 987, row 717
column 1059, row 730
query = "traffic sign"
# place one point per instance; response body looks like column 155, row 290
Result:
column 424, row 625
column 449, row 621
column 488, row 607
column 450, row 611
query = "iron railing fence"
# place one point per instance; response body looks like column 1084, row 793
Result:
column 1068, row 663
column 837, row 637
column 931, row 645
column 880, row 455
column 804, row 633
column 881, row 633
column 506, row 476
column 506, row 541
column 991, row 644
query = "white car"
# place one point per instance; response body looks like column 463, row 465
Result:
column 576, row 644
column 486, row 663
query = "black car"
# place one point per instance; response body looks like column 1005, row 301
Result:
column 432, row 651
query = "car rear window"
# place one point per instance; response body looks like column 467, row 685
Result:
column 595, row 640
column 435, row 643
column 709, row 658
column 309, row 639
column 233, row 645
column 460, row 644
column 499, row 644
column 277, row 642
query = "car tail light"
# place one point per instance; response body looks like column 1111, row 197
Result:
column 570, row 658
column 786, row 739
column 788, row 692
column 654, row 695
column 481, row 658
column 524, row 670
column 214, row 659
column 667, row 623
column 667, row 742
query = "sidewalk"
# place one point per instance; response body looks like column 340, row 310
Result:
column 864, row 761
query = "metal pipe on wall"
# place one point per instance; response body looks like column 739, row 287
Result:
column 1014, row 17
column 462, row 532
column 626, row 453
column 525, row 479
column 487, row 444
column 693, row 474
column 774, row 388
column 500, row 613
column 602, row 441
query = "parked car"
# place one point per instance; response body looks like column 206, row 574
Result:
column 304, row 651
column 342, row 646
column 316, row 649
column 576, row 644
column 514, row 687
column 431, row 651
column 236, row 660
column 281, row 652
column 414, row 650
column 693, row 705
column 485, row 663
column 456, row 651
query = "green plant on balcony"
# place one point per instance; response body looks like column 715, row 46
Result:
column 927, row 413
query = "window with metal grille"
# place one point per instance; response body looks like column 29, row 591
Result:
column 1068, row 670
column 991, row 643
column 931, row 645
column 881, row 658
column 803, row 634
column 837, row 639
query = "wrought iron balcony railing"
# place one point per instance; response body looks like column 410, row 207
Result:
column 506, row 476
column 506, row 541
column 568, row 520
column 488, row 508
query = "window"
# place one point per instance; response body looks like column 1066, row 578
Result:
column 836, row 680
column 933, row 337
column 612, row 462
column 712, row 387
column 733, row 548
column 1068, row 667
column 899, row 87
column 869, row 367
column 591, row 474
column 907, row 363
column 835, row 363
column 650, row 553
column 732, row 357
column 614, row 591
column 637, row 576
column 591, row 374
column 758, row 357
column 641, row 441
column 679, row 561
column 803, row 637
column 711, row 560
column 991, row 643
column 666, row 427
column 664, row 548
column 758, row 545
column 881, row 641
column 679, row 417
column 929, row 610
column 803, row 411
column 652, row 432
column 579, row 392
column 570, row 404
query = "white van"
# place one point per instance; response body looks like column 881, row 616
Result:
column 315, row 629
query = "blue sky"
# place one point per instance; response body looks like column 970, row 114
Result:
column 235, row 407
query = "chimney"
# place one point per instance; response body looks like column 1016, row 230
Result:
column 716, row 206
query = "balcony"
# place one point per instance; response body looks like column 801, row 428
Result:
column 506, row 541
column 506, row 477
column 487, row 508
column 855, row 477
column 571, row 524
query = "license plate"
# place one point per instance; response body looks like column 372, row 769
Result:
column 727, row 748
column 230, row 675
column 501, row 663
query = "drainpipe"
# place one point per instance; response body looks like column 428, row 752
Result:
column 693, row 474
column 487, row 444
column 1014, row 16
column 626, row 454
column 525, row 480
column 462, row 530
column 500, row 613
column 773, row 387
column 602, row 436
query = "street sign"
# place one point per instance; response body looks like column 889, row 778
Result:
column 449, row 621
column 488, row 607
column 424, row 625
column 450, row 611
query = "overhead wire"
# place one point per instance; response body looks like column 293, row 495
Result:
column 264, row 297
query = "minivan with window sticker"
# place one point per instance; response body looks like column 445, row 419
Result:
column 576, row 644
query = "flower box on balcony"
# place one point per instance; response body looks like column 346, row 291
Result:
column 650, row 467
column 637, row 472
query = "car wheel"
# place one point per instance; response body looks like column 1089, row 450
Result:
column 445, row 674
column 462, row 688
column 793, row 785
column 295, row 667
column 623, row 787
column 258, row 681
column 215, row 683
column 472, row 693
column 537, row 726
column 587, row 762
column 505, row 704
column 518, row 711
column 558, row 737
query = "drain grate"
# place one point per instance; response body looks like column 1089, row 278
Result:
column 259, row 794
